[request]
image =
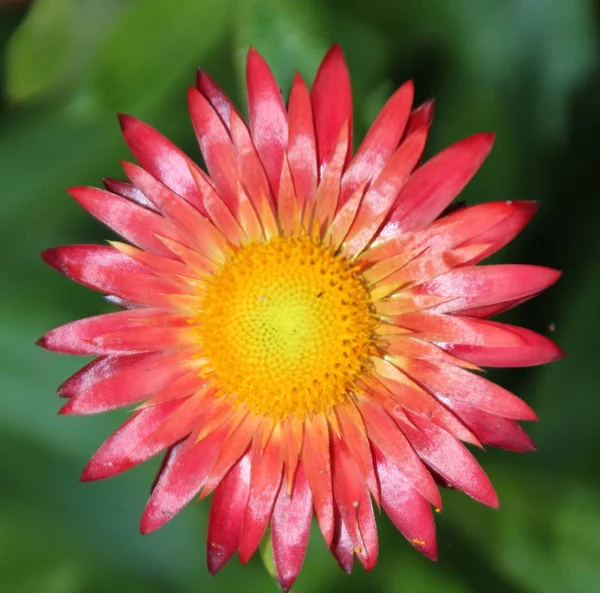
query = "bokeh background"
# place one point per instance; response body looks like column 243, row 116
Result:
column 528, row 69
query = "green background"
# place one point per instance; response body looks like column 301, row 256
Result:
column 527, row 69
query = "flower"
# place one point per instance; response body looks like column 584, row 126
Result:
column 302, row 328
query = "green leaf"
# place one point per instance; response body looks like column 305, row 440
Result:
column 266, row 553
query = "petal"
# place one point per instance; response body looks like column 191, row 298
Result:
column 264, row 487
column 341, row 546
column 216, row 146
column 302, row 146
column 449, row 381
column 218, row 99
column 226, row 515
column 435, row 184
column 107, row 270
column 268, row 118
column 407, row 509
column 124, row 448
column 380, row 142
column 420, row 117
column 384, row 433
column 181, row 478
column 127, row 190
column 449, row 458
column 353, row 501
column 479, row 286
column 135, row 223
column 331, row 98
column 290, row 528
column 115, row 381
column 161, row 158
column 316, row 459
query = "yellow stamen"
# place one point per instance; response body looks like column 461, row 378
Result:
column 286, row 327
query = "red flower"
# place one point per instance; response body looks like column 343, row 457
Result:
column 302, row 327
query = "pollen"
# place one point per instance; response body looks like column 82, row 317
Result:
column 286, row 327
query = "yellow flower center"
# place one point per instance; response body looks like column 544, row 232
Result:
column 286, row 327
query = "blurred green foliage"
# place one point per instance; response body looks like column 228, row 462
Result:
column 528, row 69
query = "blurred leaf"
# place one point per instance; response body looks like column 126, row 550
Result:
column 39, row 50
column 153, row 44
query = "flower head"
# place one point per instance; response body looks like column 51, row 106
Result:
column 302, row 328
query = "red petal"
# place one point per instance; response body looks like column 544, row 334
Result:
column 434, row 185
column 226, row 515
column 353, row 501
column 385, row 434
column 420, row 117
column 268, row 118
column 341, row 546
column 218, row 99
column 448, row 457
column 408, row 510
column 378, row 200
column 302, row 147
column 316, row 459
column 127, row 190
column 479, row 286
column 449, row 381
column 161, row 158
column 331, row 98
column 181, row 479
column 264, row 487
column 493, row 430
column 198, row 232
column 76, row 337
column 290, row 527
column 124, row 449
column 507, row 229
column 136, row 223
column 117, row 381
column 107, row 270
column 380, row 142
column 216, row 145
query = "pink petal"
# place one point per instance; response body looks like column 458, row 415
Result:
column 226, row 515
column 479, row 286
column 331, row 98
column 265, row 480
column 127, row 190
column 290, row 528
column 380, row 142
column 449, row 381
column 420, row 117
column 302, row 147
column 107, row 270
column 115, row 381
column 448, row 457
column 435, row 184
column 217, row 98
column 161, row 158
column 124, row 449
column 268, row 118
column 407, row 509
column 181, row 478
column 341, row 546
column 136, row 223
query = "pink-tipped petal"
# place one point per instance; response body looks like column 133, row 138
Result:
column 302, row 146
column 181, row 479
column 217, row 98
column 268, row 118
column 160, row 158
column 130, row 220
column 331, row 98
column 290, row 528
column 341, row 546
column 264, row 487
column 407, row 509
column 436, row 183
column 480, row 286
column 380, row 142
column 420, row 117
column 448, row 457
column 226, row 515
column 123, row 449
column 127, row 190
